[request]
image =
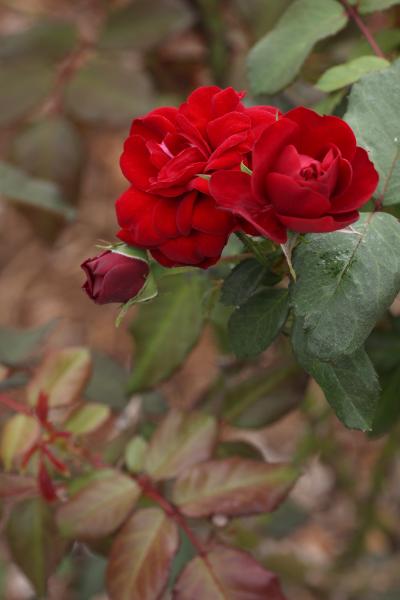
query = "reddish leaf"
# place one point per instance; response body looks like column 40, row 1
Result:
column 180, row 441
column 99, row 507
column 141, row 556
column 233, row 486
column 227, row 574
column 15, row 487
column 62, row 376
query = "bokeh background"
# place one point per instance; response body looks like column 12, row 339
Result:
column 72, row 76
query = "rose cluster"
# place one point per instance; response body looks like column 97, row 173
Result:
column 213, row 166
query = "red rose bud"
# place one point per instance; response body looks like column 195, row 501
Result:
column 114, row 277
column 309, row 176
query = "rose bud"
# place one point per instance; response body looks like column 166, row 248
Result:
column 114, row 277
column 309, row 176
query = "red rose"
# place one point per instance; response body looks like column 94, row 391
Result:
column 188, row 230
column 168, row 209
column 113, row 277
column 309, row 175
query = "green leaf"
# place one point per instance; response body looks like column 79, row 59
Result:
column 108, row 92
column 244, row 280
column 144, row 24
column 17, row 346
column 327, row 105
column 350, row 72
column 99, row 507
column 17, row 436
column 17, row 186
column 368, row 6
column 166, row 329
column 34, row 541
column 23, row 84
column 254, row 326
column 141, row 556
column 62, row 376
column 49, row 39
column 232, row 487
column 226, row 574
column 350, row 383
column 135, row 454
column 262, row 398
column 303, row 24
column 377, row 126
column 345, row 282
column 383, row 348
column 51, row 149
column 180, row 441
column 108, row 382
column 87, row 418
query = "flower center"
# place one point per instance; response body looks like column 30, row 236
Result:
column 310, row 172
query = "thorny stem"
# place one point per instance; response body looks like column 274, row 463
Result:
column 170, row 510
column 355, row 16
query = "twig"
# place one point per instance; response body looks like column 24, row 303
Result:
column 171, row 511
column 355, row 16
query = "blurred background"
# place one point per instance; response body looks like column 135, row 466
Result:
column 72, row 76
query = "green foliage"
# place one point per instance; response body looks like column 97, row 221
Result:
column 24, row 84
column 369, row 6
column 16, row 186
column 244, row 280
column 179, row 442
column 255, row 324
column 376, row 125
column 99, row 506
column 277, row 58
column 34, row 541
column 141, row 556
column 226, row 573
column 357, row 276
column 18, row 346
column 144, row 24
column 166, row 329
column 108, row 381
column 51, row 149
column 48, row 39
column 349, row 382
column 350, row 72
column 108, row 93
column 232, row 486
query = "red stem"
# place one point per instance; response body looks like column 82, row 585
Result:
column 354, row 14
column 16, row 406
column 171, row 511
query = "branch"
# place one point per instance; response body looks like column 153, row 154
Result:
column 355, row 16
column 171, row 511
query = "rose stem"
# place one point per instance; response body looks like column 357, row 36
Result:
column 354, row 14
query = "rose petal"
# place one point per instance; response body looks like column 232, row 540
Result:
column 221, row 129
column 320, row 225
column 290, row 198
column 317, row 132
column 232, row 191
column 185, row 212
column 210, row 245
column 209, row 219
column 136, row 163
column 164, row 217
column 363, row 185
column 267, row 150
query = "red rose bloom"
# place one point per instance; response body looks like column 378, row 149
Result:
column 309, row 175
column 168, row 208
